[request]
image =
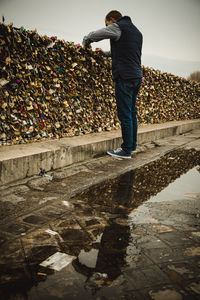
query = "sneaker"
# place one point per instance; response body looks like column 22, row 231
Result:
column 120, row 149
column 119, row 154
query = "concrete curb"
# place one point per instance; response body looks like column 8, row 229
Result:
column 21, row 161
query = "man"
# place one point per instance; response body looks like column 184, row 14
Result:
column 126, row 47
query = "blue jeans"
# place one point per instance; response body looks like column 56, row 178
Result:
column 126, row 92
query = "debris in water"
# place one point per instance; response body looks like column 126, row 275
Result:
column 57, row 261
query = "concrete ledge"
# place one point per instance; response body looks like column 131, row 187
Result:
column 21, row 161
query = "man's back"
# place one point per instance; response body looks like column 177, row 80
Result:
column 126, row 52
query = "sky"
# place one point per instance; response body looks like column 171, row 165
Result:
column 170, row 28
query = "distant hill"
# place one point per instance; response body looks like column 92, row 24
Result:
column 176, row 67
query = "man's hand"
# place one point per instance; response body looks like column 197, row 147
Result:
column 86, row 42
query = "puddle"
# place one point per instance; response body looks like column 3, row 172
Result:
column 183, row 188
column 89, row 259
column 96, row 254
column 187, row 186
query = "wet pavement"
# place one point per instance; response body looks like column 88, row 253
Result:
column 136, row 236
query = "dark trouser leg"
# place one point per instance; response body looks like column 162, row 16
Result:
column 126, row 95
column 134, row 115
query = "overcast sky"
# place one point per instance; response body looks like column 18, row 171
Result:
column 170, row 27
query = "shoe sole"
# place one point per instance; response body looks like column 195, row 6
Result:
column 118, row 156
column 133, row 151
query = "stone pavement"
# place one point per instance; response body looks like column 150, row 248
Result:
column 120, row 243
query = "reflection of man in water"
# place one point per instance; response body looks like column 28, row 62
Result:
column 112, row 251
column 115, row 239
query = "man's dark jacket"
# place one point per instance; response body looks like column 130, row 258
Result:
column 126, row 52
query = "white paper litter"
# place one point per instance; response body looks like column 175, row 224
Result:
column 57, row 261
column 51, row 231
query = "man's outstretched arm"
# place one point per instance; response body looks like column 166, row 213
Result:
column 112, row 31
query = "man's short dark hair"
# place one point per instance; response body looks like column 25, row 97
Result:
column 113, row 14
